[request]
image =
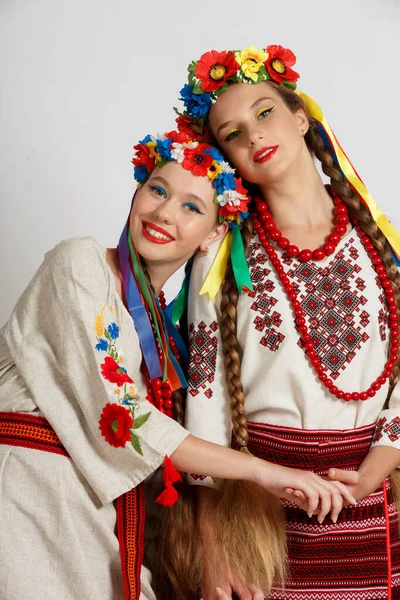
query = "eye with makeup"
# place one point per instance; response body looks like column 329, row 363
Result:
column 231, row 135
column 192, row 208
column 158, row 191
column 264, row 112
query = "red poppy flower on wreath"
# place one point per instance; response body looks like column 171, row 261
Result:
column 278, row 64
column 181, row 136
column 192, row 129
column 240, row 189
column 111, row 371
column 196, row 160
column 115, row 423
column 143, row 157
column 214, row 68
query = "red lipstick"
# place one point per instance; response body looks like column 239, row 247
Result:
column 264, row 154
column 152, row 238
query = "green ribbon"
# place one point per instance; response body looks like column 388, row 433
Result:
column 239, row 262
column 148, row 298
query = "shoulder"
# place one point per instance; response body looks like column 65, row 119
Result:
column 75, row 250
column 77, row 258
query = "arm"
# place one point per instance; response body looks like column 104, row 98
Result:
column 375, row 468
column 206, row 458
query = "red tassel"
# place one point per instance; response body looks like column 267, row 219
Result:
column 170, row 476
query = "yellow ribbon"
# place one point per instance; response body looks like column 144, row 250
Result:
column 216, row 274
column 350, row 173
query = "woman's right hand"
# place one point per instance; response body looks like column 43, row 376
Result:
column 318, row 495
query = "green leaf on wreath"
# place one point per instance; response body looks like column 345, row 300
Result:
column 197, row 88
column 136, row 443
column 107, row 335
column 139, row 421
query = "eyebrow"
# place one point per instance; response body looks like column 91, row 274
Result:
column 188, row 195
column 191, row 196
column 250, row 108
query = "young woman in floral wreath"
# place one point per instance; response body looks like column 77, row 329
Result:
column 88, row 367
column 299, row 361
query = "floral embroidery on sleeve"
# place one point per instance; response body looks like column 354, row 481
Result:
column 118, row 422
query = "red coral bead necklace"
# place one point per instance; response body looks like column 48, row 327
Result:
column 329, row 247
column 159, row 392
column 268, row 232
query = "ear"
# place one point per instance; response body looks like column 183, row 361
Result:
column 302, row 121
column 215, row 235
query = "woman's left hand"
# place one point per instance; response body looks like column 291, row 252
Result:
column 357, row 482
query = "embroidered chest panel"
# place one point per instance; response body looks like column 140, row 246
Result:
column 202, row 357
column 332, row 297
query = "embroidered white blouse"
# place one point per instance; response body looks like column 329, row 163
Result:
column 69, row 349
column 345, row 311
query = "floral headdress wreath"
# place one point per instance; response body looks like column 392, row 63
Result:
column 210, row 76
column 204, row 161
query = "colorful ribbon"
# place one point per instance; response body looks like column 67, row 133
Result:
column 352, row 176
column 232, row 245
column 138, row 295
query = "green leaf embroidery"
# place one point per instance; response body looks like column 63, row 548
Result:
column 107, row 335
column 139, row 421
column 136, row 443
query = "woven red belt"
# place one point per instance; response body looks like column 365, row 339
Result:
column 29, row 431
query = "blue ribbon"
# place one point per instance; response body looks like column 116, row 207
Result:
column 137, row 309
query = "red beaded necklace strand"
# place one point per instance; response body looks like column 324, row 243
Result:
column 159, row 393
column 340, row 228
column 263, row 221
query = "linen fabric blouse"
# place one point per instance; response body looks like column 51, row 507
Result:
column 345, row 310
column 57, row 517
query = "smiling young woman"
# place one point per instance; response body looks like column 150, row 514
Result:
column 88, row 369
column 311, row 353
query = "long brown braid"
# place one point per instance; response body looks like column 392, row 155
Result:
column 230, row 345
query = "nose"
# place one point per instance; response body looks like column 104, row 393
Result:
column 254, row 136
column 164, row 212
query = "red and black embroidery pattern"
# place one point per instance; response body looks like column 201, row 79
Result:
column 378, row 429
column 202, row 359
column 201, row 477
column 347, row 560
column 390, row 428
column 268, row 320
column 332, row 299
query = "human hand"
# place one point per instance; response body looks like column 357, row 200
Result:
column 358, row 483
column 309, row 491
column 241, row 592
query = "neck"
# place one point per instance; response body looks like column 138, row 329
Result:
column 298, row 198
column 159, row 273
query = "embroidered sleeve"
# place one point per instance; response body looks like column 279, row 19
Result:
column 66, row 339
column 208, row 413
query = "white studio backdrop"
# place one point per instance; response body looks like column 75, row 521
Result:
column 82, row 81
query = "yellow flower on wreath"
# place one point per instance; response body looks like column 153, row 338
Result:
column 152, row 146
column 251, row 60
column 214, row 170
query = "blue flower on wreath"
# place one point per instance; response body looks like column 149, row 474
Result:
column 140, row 173
column 197, row 105
column 215, row 154
column 146, row 139
column 113, row 330
column 164, row 149
column 102, row 345
column 224, row 181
